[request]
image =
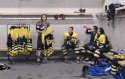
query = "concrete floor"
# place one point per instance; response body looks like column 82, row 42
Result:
column 51, row 70
column 54, row 69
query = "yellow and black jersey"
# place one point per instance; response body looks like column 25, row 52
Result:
column 47, row 31
column 21, row 32
column 45, row 39
column 47, row 35
column 67, row 35
column 19, row 40
column 70, row 38
column 102, row 39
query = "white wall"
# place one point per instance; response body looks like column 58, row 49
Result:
column 59, row 26
column 50, row 3
column 17, row 7
column 117, row 34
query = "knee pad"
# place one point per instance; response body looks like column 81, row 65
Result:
column 83, row 50
column 64, row 53
column 97, row 54
column 114, row 69
column 77, row 51
column 64, row 50
column 29, row 47
column 88, row 51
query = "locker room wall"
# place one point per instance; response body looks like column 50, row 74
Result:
column 117, row 34
column 17, row 6
column 59, row 26
column 50, row 3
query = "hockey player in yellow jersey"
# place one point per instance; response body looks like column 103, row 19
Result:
column 103, row 45
column 71, row 41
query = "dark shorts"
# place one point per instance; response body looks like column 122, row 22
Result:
column 66, row 46
column 104, row 50
column 40, row 45
column 90, row 46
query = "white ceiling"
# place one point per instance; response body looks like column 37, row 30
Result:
column 51, row 3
